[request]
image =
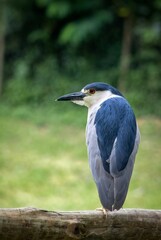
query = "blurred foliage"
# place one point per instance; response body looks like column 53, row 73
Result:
column 53, row 47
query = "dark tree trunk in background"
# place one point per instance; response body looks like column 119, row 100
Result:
column 126, row 52
column 2, row 42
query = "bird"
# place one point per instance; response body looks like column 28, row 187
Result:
column 112, row 139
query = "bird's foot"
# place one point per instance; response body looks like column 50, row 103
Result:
column 104, row 210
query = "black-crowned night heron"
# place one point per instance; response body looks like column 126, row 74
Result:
column 112, row 138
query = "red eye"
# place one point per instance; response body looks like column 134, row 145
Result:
column 92, row 91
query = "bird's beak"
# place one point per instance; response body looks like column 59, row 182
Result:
column 76, row 96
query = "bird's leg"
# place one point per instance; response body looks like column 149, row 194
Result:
column 104, row 210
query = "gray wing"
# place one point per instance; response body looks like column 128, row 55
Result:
column 111, row 161
column 112, row 190
column 122, row 180
column 104, row 181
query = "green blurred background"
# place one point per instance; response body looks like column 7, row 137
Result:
column 52, row 47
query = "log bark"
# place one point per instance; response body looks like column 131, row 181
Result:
column 31, row 223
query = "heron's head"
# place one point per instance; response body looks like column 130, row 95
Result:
column 91, row 94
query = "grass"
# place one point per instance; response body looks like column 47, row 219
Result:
column 43, row 160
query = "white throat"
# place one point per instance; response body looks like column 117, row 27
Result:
column 95, row 100
column 95, row 104
column 98, row 98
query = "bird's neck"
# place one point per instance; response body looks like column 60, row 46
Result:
column 96, row 105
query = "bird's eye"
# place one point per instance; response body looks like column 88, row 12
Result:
column 92, row 91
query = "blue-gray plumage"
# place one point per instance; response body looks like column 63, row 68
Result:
column 112, row 138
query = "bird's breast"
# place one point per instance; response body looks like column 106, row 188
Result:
column 90, row 127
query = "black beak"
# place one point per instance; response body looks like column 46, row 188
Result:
column 76, row 96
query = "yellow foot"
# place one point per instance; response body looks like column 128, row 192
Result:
column 104, row 210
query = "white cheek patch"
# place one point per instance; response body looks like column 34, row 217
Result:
column 79, row 102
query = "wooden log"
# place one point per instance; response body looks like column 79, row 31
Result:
column 36, row 224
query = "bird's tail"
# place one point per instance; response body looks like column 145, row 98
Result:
column 121, row 185
column 121, row 182
column 106, row 192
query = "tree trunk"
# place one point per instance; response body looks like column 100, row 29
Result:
column 37, row 224
column 126, row 52
column 2, row 42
